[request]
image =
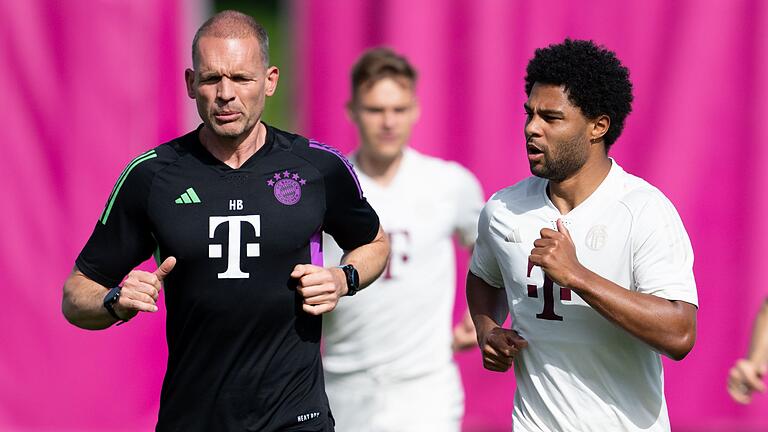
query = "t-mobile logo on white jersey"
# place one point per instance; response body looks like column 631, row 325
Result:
column 233, row 257
column 399, row 243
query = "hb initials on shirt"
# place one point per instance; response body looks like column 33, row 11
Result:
column 549, row 296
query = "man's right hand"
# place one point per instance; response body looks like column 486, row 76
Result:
column 745, row 378
column 500, row 346
column 141, row 290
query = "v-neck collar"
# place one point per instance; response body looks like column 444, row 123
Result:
column 398, row 178
column 196, row 147
column 604, row 188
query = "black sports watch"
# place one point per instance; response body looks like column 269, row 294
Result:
column 109, row 301
column 353, row 279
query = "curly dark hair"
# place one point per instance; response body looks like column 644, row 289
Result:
column 594, row 80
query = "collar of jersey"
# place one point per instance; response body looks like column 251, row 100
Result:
column 400, row 175
column 196, row 147
column 604, row 189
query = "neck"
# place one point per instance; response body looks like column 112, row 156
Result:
column 234, row 151
column 569, row 193
column 381, row 171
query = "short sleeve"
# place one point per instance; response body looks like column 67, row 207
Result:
column 662, row 252
column 349, row 218
column 469, row 203
column 122, row 238
column 484, row 263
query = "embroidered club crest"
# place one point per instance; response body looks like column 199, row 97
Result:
column 287, row 187
column 597, row 237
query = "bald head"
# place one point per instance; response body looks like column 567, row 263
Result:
column 232, row 25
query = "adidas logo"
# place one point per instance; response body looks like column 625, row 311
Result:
column 188, row 197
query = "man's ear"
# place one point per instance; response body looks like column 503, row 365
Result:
column 270, row 83
column 350, row 110
column 599, row 127
column 189, row 79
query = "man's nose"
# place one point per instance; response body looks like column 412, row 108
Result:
column 390, row 118
column 532, row 126
column 225, row 90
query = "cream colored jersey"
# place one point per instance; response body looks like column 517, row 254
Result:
column 400, row 326
column 580, row 372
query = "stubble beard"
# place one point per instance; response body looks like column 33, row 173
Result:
column 568, row 160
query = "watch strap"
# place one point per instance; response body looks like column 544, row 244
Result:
column 110, row 299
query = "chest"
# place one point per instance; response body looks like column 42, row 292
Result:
column 602, row 240
column 236, row 218
column 416, row 212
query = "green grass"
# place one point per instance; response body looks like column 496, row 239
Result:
column 273, row 15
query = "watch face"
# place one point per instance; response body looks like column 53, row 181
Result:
column 353, row 279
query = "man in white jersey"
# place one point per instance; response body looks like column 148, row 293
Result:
column 593, row 264
column 388, row 353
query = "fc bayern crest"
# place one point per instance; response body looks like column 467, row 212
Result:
column 597, row 237
column 286, row 187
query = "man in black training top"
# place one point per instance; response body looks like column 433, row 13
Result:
column 234, row 212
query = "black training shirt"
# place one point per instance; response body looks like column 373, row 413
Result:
column 242, row 353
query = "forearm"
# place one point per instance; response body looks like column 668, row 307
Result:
column 369, row 259
column 82, row 303
column 667, row 326
column 758, row 347
column 487, row 304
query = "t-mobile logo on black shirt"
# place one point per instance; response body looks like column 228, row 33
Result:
column 234, row 224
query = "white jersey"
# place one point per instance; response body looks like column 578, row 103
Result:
column 580, row 372
column 400, row 326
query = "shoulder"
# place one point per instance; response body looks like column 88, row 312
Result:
column 518, row 195
column 145, row 166
column 513, row 201
column 324, row 157
column 639, row 196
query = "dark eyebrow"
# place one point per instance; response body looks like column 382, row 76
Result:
column 548, row 112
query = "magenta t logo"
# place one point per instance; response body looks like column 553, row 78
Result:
column 399, row 241
column 549, row 296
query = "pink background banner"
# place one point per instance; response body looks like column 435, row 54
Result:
column 89, row 85
column 86, row 87
column 698, row 132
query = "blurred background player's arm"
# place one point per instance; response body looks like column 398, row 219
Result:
column 464, row 335
column 746, row 376
column 471, row 203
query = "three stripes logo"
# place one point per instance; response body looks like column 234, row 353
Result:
column 188, row 197
column 111, row 201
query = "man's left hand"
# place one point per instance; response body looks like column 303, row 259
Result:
column 321, row 287
column 555, row 253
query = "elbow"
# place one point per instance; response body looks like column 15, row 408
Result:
column 68, row 308
column 682, row 345
column 72, row 313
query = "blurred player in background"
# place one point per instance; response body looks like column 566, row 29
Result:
column 747, row 375
column 388, row 352
column 593, row 263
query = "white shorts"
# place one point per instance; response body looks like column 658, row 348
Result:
column 361, row 402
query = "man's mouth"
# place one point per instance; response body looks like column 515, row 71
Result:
column 533, row 149
column 226, row 116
